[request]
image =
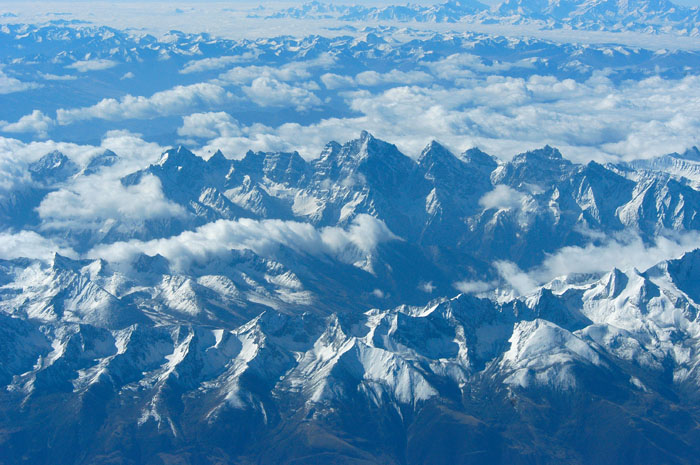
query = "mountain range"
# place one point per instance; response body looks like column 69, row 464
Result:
column 360, row 307
column 613, row 15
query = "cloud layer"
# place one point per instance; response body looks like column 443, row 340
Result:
column 28, row 244
column 625, row 251
column 175, row 101
column 91, row 201
column 351, row 245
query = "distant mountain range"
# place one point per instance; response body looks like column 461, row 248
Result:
column 613, row 15
column 363, row 307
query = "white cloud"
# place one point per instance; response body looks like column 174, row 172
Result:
column 502, row 197
column 169, row 102
column 307, row 140
column 57, row 77
column 35, row 122
column 269, row 92
column 460, row 65
column 91, row 201
column 10, row 85
column 128, row 75
column 289, row 72
column 209, row 125
column 84, row 66
column 13, row 173
column 509, row 272
column 504, row 115
column 209, row 64
column 624, row 251
column 474, row 287
column 264, row 237
column 29, row 244
column 336, row 81
column 427, row 287
column 134, row 154
column 373, row 78
column 591, row 120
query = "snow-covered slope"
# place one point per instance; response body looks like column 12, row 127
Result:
column 302, row 311
column 623, row 344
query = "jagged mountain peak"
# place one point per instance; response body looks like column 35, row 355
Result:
column 50, row 160
column 683, row 272
column 476, row 157
column 217, row 158
column 367, row 146
column 62, row 262
column 545, row 154
column 539, row 167
column 287, row 166
column 692, row 154
column 53, row 167
column 368, row 149
column 615, row 282
column 180, row 157
column 105, row 159
column 152, row 264
column 377, row 162
column 435, row 152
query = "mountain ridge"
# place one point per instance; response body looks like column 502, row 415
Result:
column 413, row 360
column 640, row 15
column 413, row 293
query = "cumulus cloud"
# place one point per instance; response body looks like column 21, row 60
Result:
column 373, row 78
column 10, row 85
column 520, row 281
column 335, row 81
column 209, row 125
column 308, row 140
column 460, row 65
column 209, row 64
column 457, row 100
column 169, row 102
column 58, row 77
column 502, row 197
column 293, row 71
column 624, row 251
column 474, row 287
column 90, row 201
column 506, row 115
column 427, row 287
column 13, row 173
column 351, row 245
column 269, row 92
column 84, row 66
column 29, row 244
column 134, row 154
column 590, row 120
column 36, row 122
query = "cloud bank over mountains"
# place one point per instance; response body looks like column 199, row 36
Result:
column 608, row 103
column 597, row 102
